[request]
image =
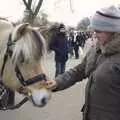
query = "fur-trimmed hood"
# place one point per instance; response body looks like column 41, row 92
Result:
column 112, row 46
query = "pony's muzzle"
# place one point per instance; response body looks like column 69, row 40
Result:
column 40, row 97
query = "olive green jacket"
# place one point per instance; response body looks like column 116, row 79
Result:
column 102, row 66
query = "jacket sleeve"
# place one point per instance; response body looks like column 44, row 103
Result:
column 70, row 77
column 53, row 45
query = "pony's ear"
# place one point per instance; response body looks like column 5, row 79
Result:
column 21, row 28
column 19, row 31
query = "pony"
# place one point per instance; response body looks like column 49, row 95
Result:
column 22, row 50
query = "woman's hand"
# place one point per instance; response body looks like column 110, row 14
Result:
column 49, row 84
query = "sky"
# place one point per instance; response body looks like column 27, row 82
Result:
column 57, row 10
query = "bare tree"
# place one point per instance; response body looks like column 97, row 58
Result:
column 71, row 6
column 58, row 2
column 83, row 24
column 31, row 11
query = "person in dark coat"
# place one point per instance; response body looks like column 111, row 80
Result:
column 70, row 46
column 76, row 47
column 59, row 44
column 101, row 66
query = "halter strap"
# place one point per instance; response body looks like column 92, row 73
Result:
column 30, row 81
column 17, row 105
column 8, row 52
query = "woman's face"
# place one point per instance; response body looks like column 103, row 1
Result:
column 102, row 36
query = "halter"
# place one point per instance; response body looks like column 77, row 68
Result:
column 19, row 75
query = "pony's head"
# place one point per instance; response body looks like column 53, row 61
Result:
column 21, row 54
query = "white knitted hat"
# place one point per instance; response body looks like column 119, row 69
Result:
column 107, row 19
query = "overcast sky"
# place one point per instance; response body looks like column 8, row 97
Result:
column 57, row 10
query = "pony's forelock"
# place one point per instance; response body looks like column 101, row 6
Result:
column 29, row 47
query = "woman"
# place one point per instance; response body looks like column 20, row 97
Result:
column 102, row 66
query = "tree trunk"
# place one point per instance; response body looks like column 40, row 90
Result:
column 31, row 13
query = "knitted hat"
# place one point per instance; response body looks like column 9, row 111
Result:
column 107, row 19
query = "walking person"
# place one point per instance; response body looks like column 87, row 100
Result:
column 76, row 47
column 59, row 44
column 70, row 46
column 102, row 68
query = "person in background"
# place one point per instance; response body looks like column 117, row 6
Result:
column 59, row 44
column 71, row 46
column 76, row 46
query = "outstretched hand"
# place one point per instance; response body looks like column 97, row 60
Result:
column 50, row 84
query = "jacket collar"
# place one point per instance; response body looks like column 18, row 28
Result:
column 111, row 47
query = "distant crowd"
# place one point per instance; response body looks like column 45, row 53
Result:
column 76, row 41
column 66, row 44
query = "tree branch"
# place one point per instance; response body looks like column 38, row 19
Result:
column 27, row 5
column 71, row 6
column 30, row 3
column 38, row 7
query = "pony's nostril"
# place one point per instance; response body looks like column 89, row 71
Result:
column 40, row 97
column 43, row 101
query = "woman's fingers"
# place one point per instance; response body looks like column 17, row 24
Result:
column 50, row 84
